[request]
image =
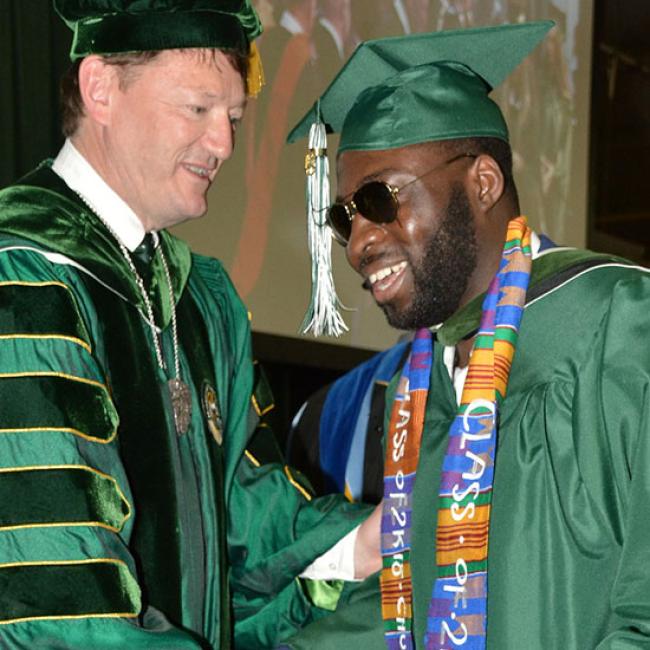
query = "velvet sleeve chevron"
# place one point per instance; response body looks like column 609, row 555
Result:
column 65, row 505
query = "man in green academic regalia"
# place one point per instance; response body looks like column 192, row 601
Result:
column 140, row 504
column 522, row 416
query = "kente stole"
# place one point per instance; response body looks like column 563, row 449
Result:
column 457, row 612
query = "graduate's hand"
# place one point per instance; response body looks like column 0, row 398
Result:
column 367, row 550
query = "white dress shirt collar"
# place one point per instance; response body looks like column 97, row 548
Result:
column 81, row 178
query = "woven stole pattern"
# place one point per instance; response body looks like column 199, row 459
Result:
column 457, row 613
column 402, row 452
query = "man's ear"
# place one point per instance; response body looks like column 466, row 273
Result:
column 97, row 83
column 487, row 182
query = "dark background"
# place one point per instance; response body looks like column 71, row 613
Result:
column 619, row 208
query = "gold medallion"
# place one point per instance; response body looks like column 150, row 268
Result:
column 212, row 412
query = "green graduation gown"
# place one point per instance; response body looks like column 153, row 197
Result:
column 569, row 545
column 115, row 531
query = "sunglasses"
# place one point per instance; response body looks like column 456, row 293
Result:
column 376, row 201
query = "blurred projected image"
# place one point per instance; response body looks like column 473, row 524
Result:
column 304, row 44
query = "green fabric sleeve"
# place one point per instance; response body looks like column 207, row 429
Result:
column 570, row 524
column 275, row 533
column 275, row 528
column 356, row 623
column 623, row 366
column 67, row 579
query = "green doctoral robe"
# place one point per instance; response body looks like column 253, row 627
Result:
column 116, row 532
column 569, row 544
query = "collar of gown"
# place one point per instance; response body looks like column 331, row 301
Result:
column 81, row 177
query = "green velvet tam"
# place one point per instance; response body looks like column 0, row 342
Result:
column 399, row 91
column 116, row 26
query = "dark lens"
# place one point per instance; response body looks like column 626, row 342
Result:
column 376, row 202
column 339, row 222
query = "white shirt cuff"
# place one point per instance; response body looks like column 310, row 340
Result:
column 337, row 563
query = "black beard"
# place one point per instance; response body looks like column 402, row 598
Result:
column 440, row 278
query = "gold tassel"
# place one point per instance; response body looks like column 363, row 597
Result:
column 255, row 79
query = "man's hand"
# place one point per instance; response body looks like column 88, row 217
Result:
column 367, row 550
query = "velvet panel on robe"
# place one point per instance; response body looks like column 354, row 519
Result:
column 113, row 529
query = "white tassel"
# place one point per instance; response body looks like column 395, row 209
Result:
column 322, row 315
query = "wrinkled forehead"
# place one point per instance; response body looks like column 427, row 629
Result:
column 201, row 77
column 192, row 63
column 221, row 60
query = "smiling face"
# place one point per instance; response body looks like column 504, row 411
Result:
column 419, row 266
column 168, row 130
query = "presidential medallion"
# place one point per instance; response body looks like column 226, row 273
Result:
column 181, row 398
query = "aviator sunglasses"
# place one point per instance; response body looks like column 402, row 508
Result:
column 376, row 201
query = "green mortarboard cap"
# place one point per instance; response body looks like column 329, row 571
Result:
column 114, row 26
column 398, row 91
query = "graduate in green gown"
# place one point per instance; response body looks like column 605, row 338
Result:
column 141, row 505
column 530, row 530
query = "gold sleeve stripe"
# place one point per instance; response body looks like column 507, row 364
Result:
column 65, row 524
column 297, row 485
column 74, row 432
column 347, row 493
column 21, row 283
column 93, row 560
column 260, row 412
column 252, row 458
column 63, row 375
column 60, row 337
column 70, row 617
